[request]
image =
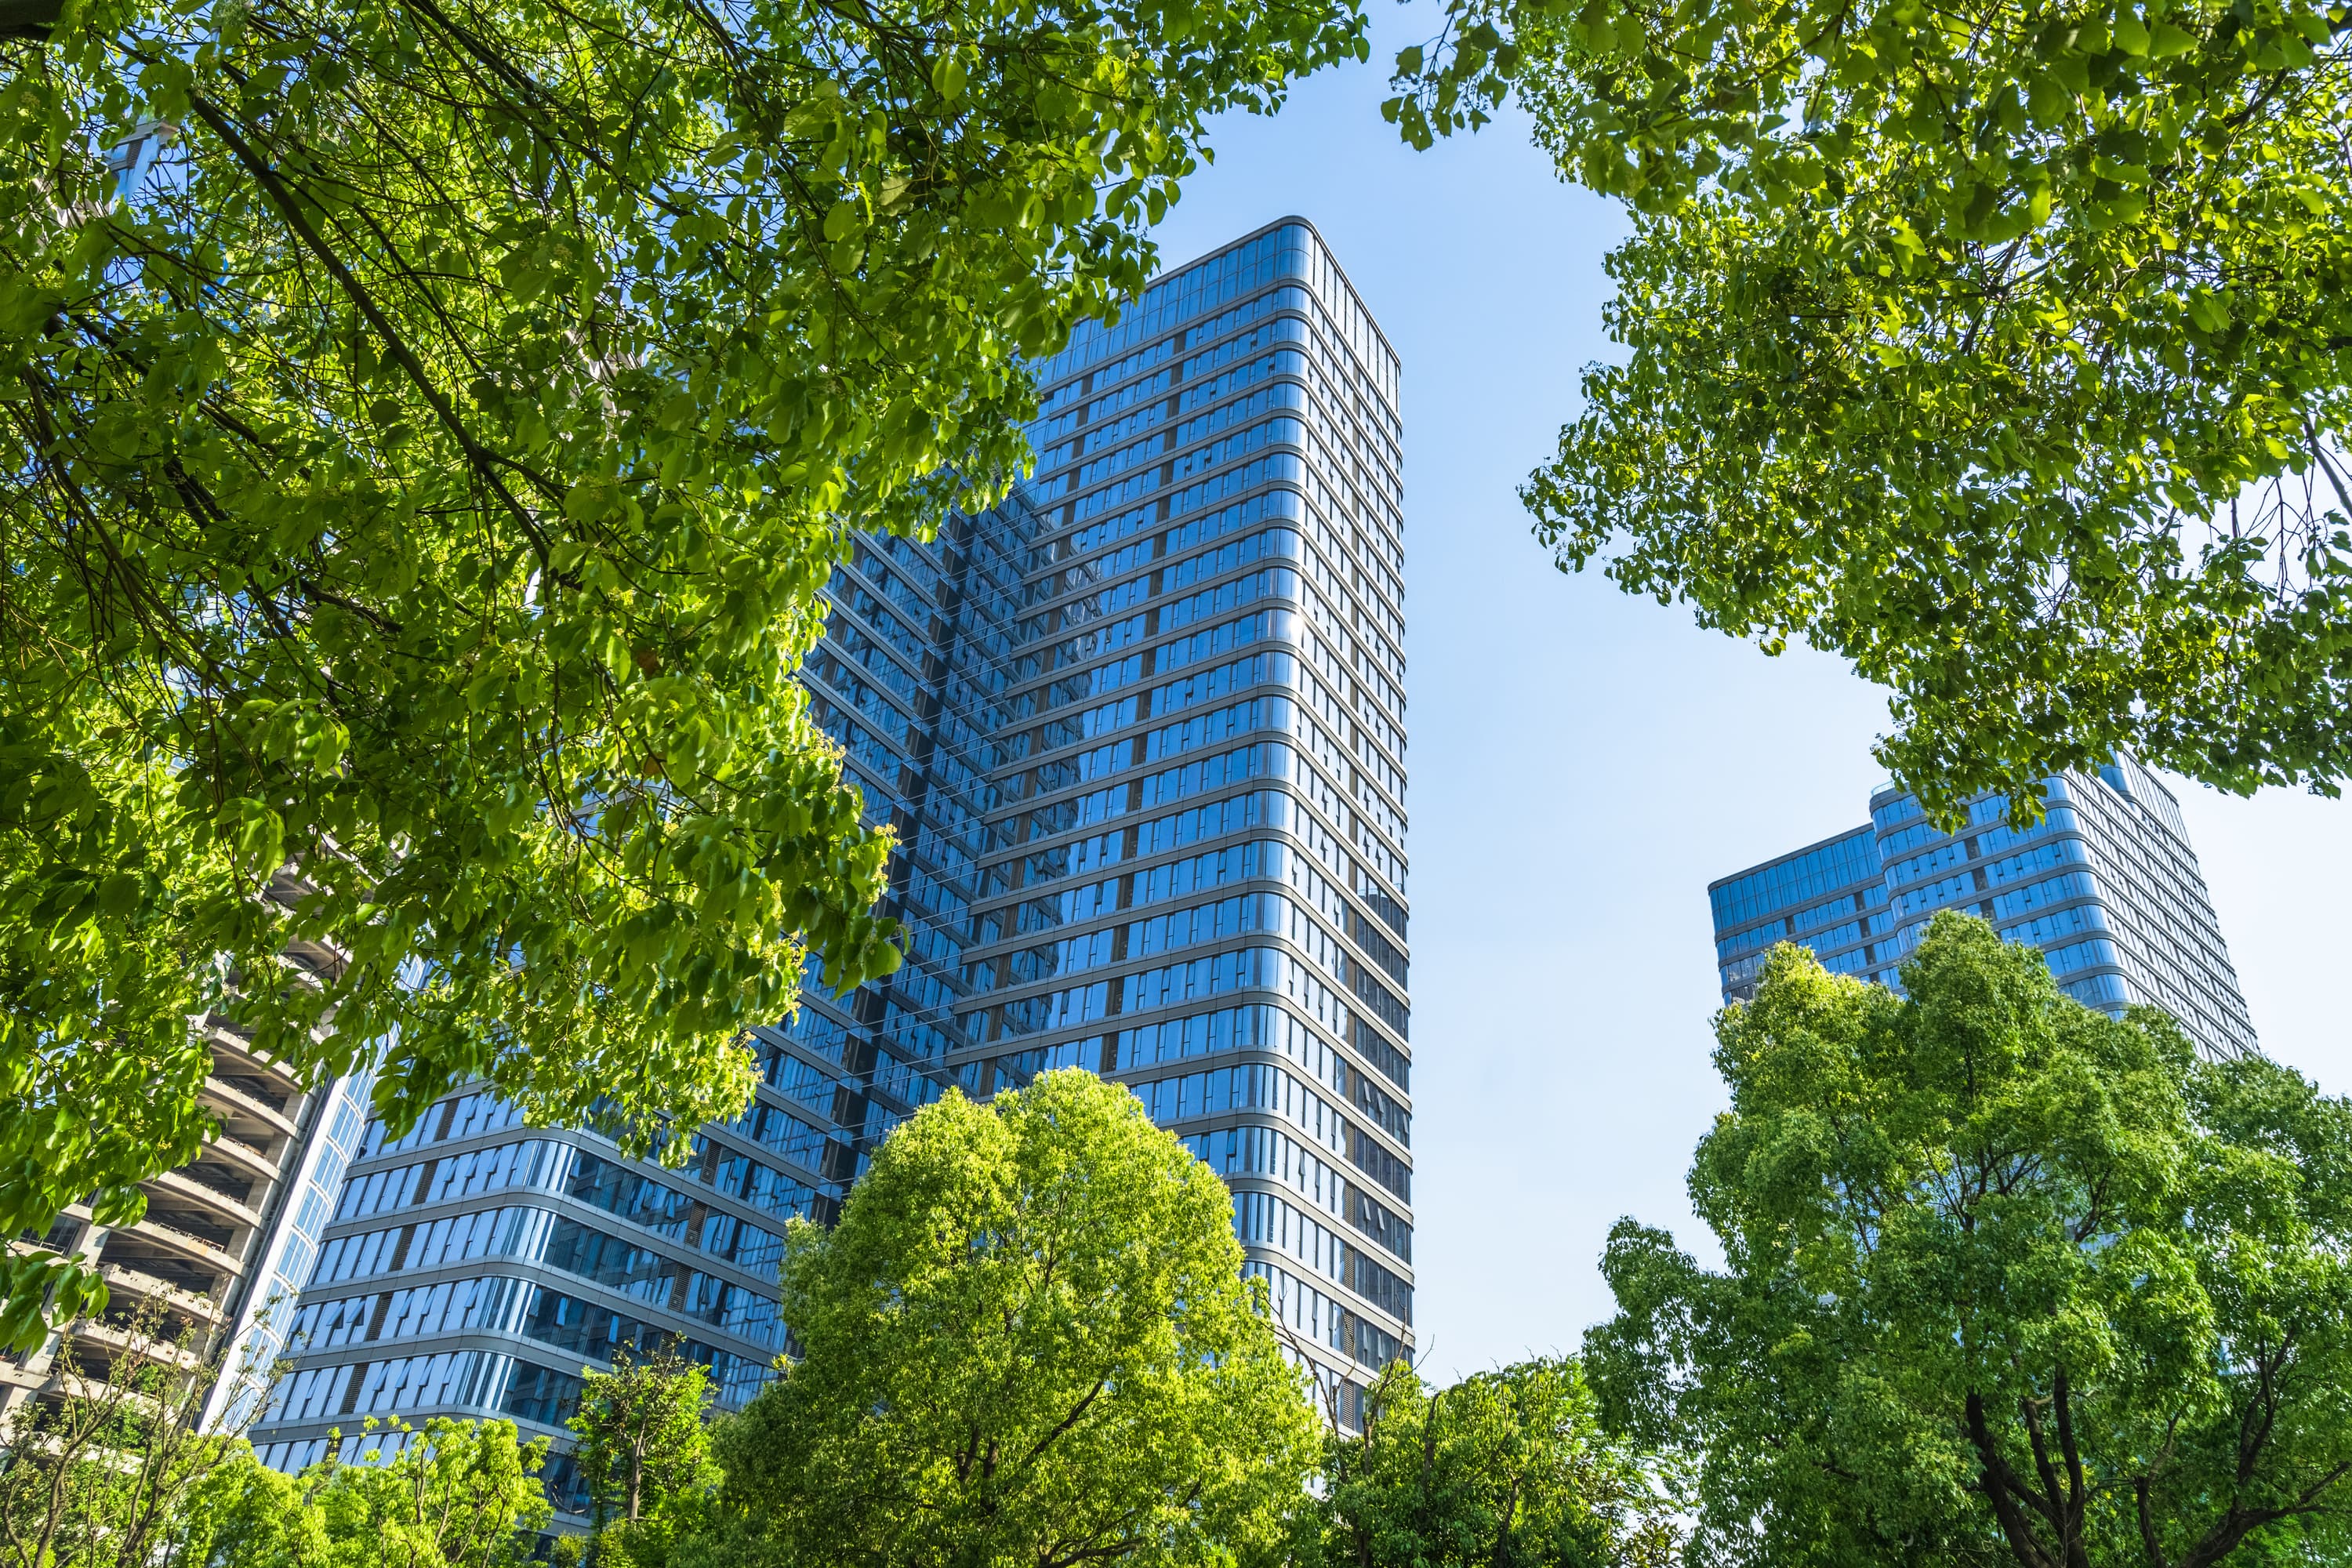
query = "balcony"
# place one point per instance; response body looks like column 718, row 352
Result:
column 232, row 1179
column 250, row 1154
column 198, row 1260
column 234, row 1053
column 179, row 1187
column 115, row 1341
column 227, row 1097
column 124, row 1281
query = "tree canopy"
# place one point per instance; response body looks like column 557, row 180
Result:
column 1502, row 1469
column 2004, row 349
column 1027, row 1341
column 2007, row 1281
column 425, row 431
column 457, row 1494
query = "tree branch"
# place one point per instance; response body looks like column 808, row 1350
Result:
column 1068, row 1421
column 1998, row 1482
column 282, row 196
column 2077, row 1493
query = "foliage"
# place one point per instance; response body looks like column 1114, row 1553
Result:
column 2005, row 349
column 1027, row 1341
column 1502, row 1469
column 463, row 1494
column 417, row 499
column 2007, row 1281
column 643, row 1450
column 99, row 1475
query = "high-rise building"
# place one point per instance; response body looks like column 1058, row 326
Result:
column 2106, row 884
column 1140, row 731
column 1200, row 889
column 226, row 1239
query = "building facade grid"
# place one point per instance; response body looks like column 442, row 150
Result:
column 2106, row 884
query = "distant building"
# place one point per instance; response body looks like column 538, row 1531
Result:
column 2106, row 885
column 1140, row 731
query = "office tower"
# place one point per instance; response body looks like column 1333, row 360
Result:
column 2106, row 885
column 1202, row 891
column 1139, row 730
column 226, row 1239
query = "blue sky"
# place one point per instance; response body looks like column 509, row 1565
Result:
column 1583, row 765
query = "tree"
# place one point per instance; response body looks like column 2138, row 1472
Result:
column 1027, row 1341
column 417, row 492
column 114, row 1471
column 1502, row 1469
column 2007, row 1281
column 97, row 1471
column 459, row 1494
column 644, row 1454
column 2003, row 349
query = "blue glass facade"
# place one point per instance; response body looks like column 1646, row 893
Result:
column 2106, row 885
column 263, row 1326
column 1141, row 734
column 1204, row 895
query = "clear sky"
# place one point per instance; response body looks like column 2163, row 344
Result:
column 1583, row 765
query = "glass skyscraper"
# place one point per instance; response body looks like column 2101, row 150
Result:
column 1140, row 733
column 1201, row 883
column 2106, row 885
column 473, row 1266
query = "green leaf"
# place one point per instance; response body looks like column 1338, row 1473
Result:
column 2032, row 198
column 259, row 833
column 2156, row 1218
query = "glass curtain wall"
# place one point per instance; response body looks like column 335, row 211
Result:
column 2106, row 884
column 1202, row 890
column 474, row 1265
